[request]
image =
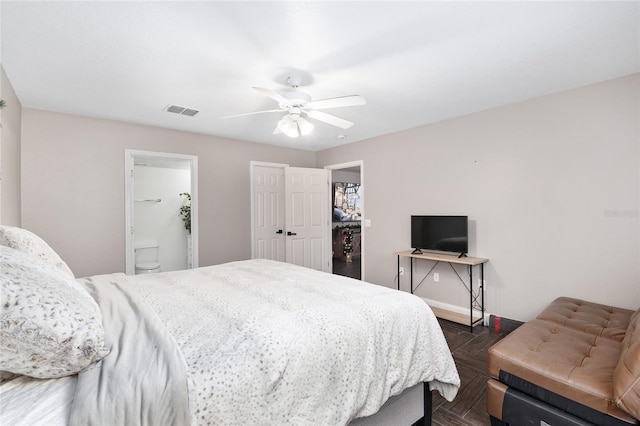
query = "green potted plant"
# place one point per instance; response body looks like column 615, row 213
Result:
column 185, row 211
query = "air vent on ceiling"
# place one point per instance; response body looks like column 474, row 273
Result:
column 181, row 110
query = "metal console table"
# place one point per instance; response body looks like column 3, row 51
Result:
column 451, row 259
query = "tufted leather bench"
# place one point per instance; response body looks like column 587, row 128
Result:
column 577, row 363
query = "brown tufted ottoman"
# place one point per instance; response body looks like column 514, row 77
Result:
column 577, row 363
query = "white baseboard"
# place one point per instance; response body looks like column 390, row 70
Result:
column 456, row 309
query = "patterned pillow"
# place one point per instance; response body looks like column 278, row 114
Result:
column 49, row 324
column 28, row 242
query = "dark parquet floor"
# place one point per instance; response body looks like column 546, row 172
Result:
column 348, row 269
column 470, row 354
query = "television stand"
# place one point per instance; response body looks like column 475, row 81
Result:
column 452, row 259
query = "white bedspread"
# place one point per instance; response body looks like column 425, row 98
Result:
column 269, row 343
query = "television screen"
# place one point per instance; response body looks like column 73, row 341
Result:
column 439, row 233
column 346, row 202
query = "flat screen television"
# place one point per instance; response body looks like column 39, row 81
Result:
column 440, row 233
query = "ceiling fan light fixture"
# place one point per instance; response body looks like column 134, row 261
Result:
column 305, row 127
column 297, row 104
column 294, row 100
column 289, row 127
column 293, row 125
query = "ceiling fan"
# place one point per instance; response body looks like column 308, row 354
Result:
column 298, row 104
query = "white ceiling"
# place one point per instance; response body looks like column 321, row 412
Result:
column 414, row 62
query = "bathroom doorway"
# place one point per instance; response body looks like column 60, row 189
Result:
column 348, row 223
column 161, row 212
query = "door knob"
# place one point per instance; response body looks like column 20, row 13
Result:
column 279, row 231
column 291, row 233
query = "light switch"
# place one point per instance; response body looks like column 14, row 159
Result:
column 367, row 223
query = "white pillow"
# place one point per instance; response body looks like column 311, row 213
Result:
column 50, row 326
column 28, row 242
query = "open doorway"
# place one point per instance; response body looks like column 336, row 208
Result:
column 161, row 212
column 347, row 219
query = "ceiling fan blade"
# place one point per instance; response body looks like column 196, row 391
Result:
column 273, row 95
column 341, row 101
column 330, row 119
column 253, row 113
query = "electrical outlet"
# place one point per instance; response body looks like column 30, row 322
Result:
column 436, row 277
column 401, row 270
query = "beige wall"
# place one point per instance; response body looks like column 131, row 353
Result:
column 551, row 187
column 11, row 120
column 73, row 186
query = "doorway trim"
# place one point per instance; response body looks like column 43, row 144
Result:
column 348, row 165
column 129, row 162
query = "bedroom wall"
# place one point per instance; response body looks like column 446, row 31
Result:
column 10, row 134
column 551, row 187
column 73, row 186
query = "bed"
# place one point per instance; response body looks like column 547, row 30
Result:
column 248, row 342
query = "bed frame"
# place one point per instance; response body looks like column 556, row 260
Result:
column 412, row 407
column 427, row 403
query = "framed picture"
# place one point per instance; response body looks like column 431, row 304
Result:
column 346, row 202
